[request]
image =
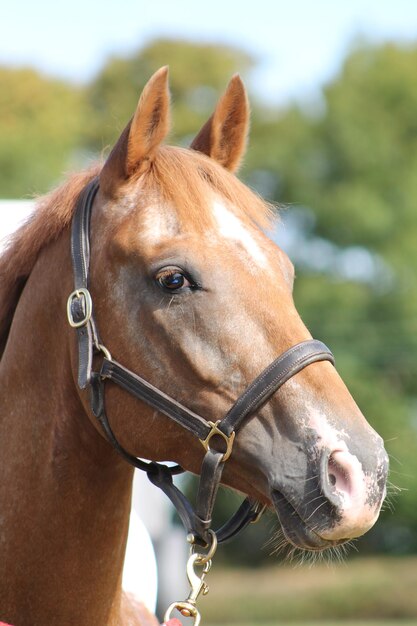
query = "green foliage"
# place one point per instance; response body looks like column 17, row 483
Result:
column 40, row 124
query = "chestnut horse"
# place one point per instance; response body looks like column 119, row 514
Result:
column 189, row 292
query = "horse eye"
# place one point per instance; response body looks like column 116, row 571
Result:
column 173, row 280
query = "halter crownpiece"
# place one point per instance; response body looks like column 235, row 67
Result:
column 80, row 312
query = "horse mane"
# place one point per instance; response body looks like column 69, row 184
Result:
column 184, row 178
column 52, row 214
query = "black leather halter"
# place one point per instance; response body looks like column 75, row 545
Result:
column 80, row 316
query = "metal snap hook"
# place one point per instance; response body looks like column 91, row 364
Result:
column 186, row 609
column 198, row 585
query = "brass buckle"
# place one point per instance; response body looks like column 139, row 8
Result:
column 88, row 306
column 215, row 430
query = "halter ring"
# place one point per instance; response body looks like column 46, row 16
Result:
column 215, row 430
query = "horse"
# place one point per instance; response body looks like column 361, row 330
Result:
column 186, row 289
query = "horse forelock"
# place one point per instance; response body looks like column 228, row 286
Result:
column 189, row 181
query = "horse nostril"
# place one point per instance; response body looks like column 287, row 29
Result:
column 338, row 472
column 332, row 479
column 336, row 475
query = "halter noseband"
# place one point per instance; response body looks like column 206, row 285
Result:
column 80, row 316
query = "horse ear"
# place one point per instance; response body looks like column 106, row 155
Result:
column 142, row 136
column 223, row 137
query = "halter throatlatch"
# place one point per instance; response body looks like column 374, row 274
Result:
column 80, row 312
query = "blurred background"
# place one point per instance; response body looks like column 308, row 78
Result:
column 333, row 88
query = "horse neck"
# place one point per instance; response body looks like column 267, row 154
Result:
column 64, row 494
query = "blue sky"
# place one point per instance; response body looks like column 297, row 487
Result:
column 299, row 44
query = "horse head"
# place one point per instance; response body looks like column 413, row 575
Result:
column 190, row 292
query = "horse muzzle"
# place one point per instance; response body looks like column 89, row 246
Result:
column 339, row 500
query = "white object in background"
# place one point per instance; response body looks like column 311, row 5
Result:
column 169, row 539
column 140, row 576
column 12, row 214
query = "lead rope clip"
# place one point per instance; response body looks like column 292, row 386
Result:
column 188, row 607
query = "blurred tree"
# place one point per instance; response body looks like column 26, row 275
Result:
column 40, row 124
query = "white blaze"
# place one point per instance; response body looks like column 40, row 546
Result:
column 231, row 227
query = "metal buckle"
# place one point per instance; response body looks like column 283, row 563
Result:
column 215, row 430
column 258, row 512
column 88, row 307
